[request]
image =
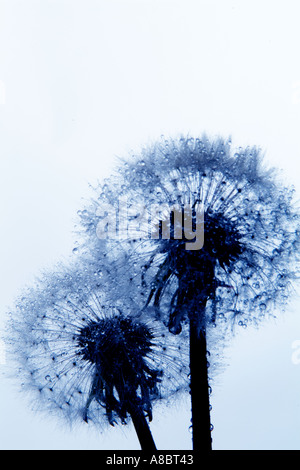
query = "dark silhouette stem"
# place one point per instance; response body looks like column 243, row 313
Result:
column 199, row 387
column 142, row 429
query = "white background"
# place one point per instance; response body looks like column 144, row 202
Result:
column 83, row 81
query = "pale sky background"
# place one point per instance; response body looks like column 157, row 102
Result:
column 82, row 81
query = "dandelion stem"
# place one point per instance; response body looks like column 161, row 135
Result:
column 142, row 429
column 199, row 388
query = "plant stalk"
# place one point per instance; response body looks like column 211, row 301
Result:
column 142, row 429
column 199, row 388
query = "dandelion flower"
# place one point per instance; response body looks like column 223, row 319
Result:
column 246, row 263
column 88, row 360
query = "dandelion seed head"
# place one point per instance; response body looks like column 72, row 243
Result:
column 81, row 358
column 249, row 262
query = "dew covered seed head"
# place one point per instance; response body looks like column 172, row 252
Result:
column 86, row 360
column 249, row 261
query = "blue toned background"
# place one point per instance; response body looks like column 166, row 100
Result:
column 82, row 82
